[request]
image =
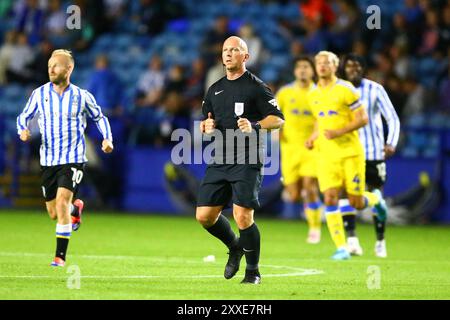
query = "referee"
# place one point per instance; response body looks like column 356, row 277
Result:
column 243, row 104
column 61, row 108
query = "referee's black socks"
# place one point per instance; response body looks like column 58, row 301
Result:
column 222, row 230
column 250, row 241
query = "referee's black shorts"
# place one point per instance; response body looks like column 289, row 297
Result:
column 67, row 176
column 238, row 182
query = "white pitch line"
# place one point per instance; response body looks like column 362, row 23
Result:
column 305, row 272
column 296, row 270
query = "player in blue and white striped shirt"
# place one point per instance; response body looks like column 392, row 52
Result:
column 376, row 149
column 61, row 108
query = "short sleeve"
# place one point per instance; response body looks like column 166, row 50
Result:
column 206, row 105
column 351, row 98
column 266, row 102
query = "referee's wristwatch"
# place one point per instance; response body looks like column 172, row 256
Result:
column 256, row 126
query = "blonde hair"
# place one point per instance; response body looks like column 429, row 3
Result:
column 331, row 56
column 64, row 52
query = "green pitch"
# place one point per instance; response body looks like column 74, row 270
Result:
column 158, row 257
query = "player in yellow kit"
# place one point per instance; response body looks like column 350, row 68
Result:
column 341, row 163
column 298, row 164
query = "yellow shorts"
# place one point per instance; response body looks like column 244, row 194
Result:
column 296, row 163
column 349, row 172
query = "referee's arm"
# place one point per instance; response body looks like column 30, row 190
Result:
column 271, row 122
column 268, row 107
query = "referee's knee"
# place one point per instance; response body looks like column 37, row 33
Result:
column 205, row 217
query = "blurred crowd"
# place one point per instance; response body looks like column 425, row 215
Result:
column 409, row 55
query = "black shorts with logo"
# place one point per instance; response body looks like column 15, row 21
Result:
column 238, row 182
column 375, row 173
column 67, row 176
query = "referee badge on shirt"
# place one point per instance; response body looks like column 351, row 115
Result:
column 238, row 108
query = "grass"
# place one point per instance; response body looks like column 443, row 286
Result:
column 161, row 257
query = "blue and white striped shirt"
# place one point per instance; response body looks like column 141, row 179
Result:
column 62, row 121
column 378, row 104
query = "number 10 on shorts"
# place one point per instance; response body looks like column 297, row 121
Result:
column 77, row 176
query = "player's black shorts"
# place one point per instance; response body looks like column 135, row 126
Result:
column 240, row 183
column 66, row 176
column 375, row 173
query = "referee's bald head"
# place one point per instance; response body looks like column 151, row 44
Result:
column 236, row 41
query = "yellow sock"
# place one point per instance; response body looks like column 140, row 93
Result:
column 335, row 226
column 371, row 198
column 313, row 213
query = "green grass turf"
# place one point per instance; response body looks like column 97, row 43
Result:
column 110, row 249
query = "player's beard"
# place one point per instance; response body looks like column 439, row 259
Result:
column 59, row 79
column 356, row 81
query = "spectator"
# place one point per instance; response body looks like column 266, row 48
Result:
column 195, row 83
column 30, row 19
column 214, row 73
column 402, row 35
column 254, row 46
column 317, row 11
column 176, row 80
column 150, row 84
column 395, row 92
column 150, row 91
column 444, row 93
column 106, row 88
column 151, row 16
column 444, row 31
column 345, row 26
column 212, row 43
column 416, row 97
column 412, row 12
column 315, row 39
column 55, row 25
column 402, row 65
column 114, row 11
column 18, row 69
column 39, row 66
column 6, row 54
column 430, row 37
column 91, row 24
column 174, row 115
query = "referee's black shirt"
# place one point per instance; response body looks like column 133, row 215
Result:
column 247, row 95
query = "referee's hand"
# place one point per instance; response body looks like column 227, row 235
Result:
column 208, row 126
column 25, row 135
column 244, row 125
column 107, row 146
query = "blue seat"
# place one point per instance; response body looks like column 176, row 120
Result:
column 430, row 152
column 13, row 91
column 410, row 152
column 269, row 74
column 416, row 121
column 179, row 25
